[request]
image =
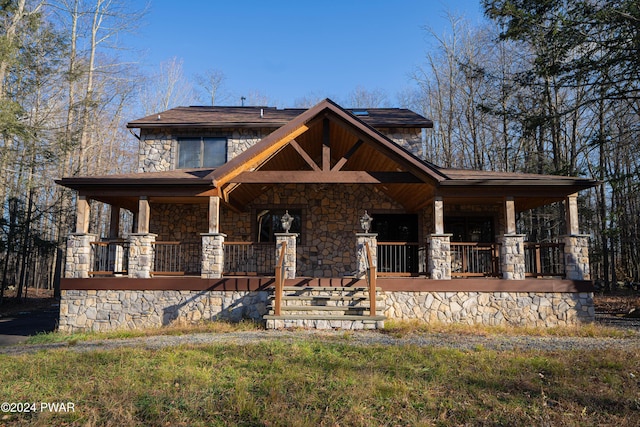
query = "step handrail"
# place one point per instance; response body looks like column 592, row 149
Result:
column 279, row 280
column 371, row 279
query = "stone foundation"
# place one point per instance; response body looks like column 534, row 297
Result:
column 536, row 309
column 98, row 310
column 92, row 310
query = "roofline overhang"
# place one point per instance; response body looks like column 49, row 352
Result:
column 583, row 183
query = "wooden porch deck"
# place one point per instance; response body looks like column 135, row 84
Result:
column 388, row 284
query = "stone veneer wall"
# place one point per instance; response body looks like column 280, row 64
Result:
column 158, row 147
column 97, row 310
column 408, row 138
column 543, row 309
column 331, row 217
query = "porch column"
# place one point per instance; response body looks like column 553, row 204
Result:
column 78, row 259
column 512, row 259
column 439, row 256
column 83, row 210
column 212, row 255
column 214, row 214
column 141, row 244
column 576, row 245
column 290, row 252
column 114, row 223
column 361, row 252
column 144, row 214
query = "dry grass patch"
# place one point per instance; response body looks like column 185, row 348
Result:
column 177, row 329
column 314, row 383
column 401, row 328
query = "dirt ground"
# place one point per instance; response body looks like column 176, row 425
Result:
column 36, row 299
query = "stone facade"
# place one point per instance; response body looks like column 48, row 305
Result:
column 97, row 310
column 408, row 138
column 536, row 309
column 158, row 148
column 92, row 310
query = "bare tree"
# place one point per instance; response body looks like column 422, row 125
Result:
column 361, row 97
column 211, row 82
column 168, row 88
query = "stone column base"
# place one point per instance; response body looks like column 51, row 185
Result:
column 78, row 260
column 576, row 257
column 212, row 255
column 440, row 256
column 290, row 253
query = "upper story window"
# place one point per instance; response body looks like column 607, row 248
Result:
column 201, row 152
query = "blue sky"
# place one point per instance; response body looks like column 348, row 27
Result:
column 286, row 50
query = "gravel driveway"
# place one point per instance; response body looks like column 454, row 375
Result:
column 458, row 341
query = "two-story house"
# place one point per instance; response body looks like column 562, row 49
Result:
column 326, row 217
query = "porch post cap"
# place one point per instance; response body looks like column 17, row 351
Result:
column 441, row 234
column 213, row 234
column 286, row 234
column 367, row 234
column 514, row 235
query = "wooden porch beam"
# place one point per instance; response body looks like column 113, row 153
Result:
column 326, row 144
column 338, row 166
column 328, row 177
column 304, row 155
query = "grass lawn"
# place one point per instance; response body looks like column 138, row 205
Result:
column 315, row 383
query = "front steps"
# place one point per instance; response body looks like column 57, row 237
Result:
column 310, row 305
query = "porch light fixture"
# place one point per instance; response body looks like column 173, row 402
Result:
column 365, row 222
column 286, row 221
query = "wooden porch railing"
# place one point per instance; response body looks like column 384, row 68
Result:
column 398, row 258
column 469, row 259
column 248, row 258
column 277, row 303
column 176, row 258
column 544, row 259
column 371, row 280
column 109, row 258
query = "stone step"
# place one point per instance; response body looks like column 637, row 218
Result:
column 325, row 322
column 330, row 297
column 330, row 288
column 322, row 310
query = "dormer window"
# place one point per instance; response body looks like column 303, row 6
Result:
column 201, row 152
